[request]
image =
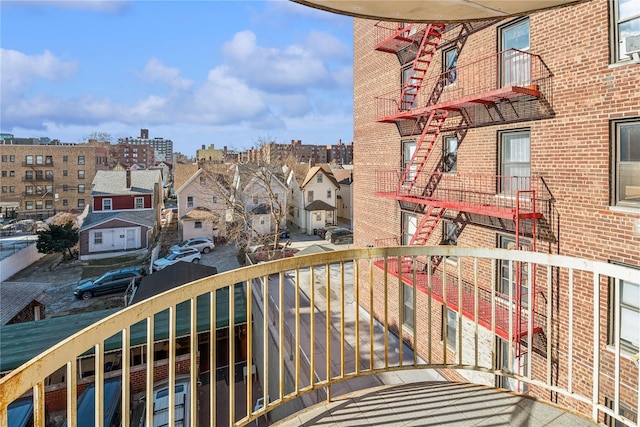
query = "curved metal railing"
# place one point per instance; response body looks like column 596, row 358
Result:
column 301, row 325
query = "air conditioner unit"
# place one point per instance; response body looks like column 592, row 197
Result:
column 632, row 44
column 57, row 196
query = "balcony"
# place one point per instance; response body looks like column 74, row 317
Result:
column 505, row 87
column 312, row 340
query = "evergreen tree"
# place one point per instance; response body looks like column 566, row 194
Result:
column 58, row 238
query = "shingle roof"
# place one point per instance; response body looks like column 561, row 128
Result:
column 146, row 218
column 319, row 205
column 14, row 297
column 325, row 169
column 171, row 277
column 115, row 182
column 343, row 176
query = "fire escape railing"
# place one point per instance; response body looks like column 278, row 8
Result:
column 508, row 74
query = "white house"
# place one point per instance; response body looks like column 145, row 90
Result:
column 296, row 215
column 202, row 204
column 344, row 176
column 319, row 191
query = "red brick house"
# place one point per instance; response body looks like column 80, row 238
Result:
column 517, row 133
column 124, row 215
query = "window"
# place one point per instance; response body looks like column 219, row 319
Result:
column 39, row 190
column 29, row 160
column 449, row 328
column 81, row 160
column 519, row 272
column 189, row 201
column 81, row 174
column 4, row 158
column 81, row 203
column 65, row 187
column 409, row 227
column 4, row 188
column 516, row 65
column 12, row 173
column 39, row 175
column 139, row 202
column 97, row 238
column 408, row 88
column 626, row 22
column 12, row 158
column 28, row 175
column 328, row 194
column 515, row 165
column 407, row 306
column 626, row 168
column 12, row 189
column 450, row 153
column 203, row 180
column 39, row 160
column 309, row 196
column 28, row 190
column 518, row 365
column 624, row 410
column 39, row 204
column 450, row 237
column 198, row 224
column 65, row 173
column 408, row 150
column 214, row 199
column 319, row 179
column 65, row 158
column 4, row 174
column 65, row 202
column 28, row 205
column 629, row 315
column 48, row 204
column 48, row 160
column 80, row 188
column 106, row 204
column 254, row 199
column 48, row 175
column 449, row 60
column 48, row 189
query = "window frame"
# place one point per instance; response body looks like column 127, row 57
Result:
column 451, row 326
column 81, row 160
column 81, row 174
column 504, row 183
column 107, row 204
column 503, row 277
column 616, row 163
column 28, row 160
column 617, row 41
column 616, row 297
column 81, row 188
column 138, row 202
column 449, row 72
column 190, row 201
column 408, row 219
column 409, row 297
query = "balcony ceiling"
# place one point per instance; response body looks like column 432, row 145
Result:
column 436, row 11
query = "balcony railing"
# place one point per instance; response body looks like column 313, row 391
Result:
column 310, row 330
column 503, row 75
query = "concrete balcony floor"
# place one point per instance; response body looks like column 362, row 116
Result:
column 434, row 404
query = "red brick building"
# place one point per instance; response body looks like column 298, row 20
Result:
column 523, row 132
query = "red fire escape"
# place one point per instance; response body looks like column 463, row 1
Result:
column 506, row 87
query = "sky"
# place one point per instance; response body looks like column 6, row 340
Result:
column 228, row 73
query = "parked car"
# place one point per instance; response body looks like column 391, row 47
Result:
column 110, row 282
column 203, row 244
column 342, row 235
column 322, row 232
column 330, row 232
column 183, row 254
column 182, row 396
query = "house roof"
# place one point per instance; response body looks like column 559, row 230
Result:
column 22, row 341
column 319, row 205
column 324, row 168
column 313, row 249
column 171, row 277
column 343, row 176
column 300, row 171
column 146, row 218
column 14, row 297
column 115, row 182
column 261, row 209
column 182, row 173
column 199, row 213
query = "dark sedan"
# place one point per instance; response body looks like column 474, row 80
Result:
column 341, row 235
column 110, row 282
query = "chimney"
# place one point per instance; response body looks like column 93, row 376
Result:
column 128, row 179
column 203, row 146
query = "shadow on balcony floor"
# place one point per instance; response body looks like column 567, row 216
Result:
column 435, row 404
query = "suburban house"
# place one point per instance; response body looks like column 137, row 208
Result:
column 124, row 215
column 260, row 194
column 202, row 202
column 295, row 213
column 21, row 302
column 319, row 192
column 344, row 176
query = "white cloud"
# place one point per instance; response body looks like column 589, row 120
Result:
column 326, row 46
column 110, row 6
column 19, row 69
column 155, row 70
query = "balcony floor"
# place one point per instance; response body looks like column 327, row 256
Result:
column 435, row 404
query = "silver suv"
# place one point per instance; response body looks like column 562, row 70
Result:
column 203, row 244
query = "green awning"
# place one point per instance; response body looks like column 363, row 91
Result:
column 20, row 342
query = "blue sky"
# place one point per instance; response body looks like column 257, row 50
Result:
column 196, row 72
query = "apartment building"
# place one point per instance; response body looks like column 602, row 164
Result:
column 40, row 180
column 163, row 147
column 521, row 133
column 138, row 154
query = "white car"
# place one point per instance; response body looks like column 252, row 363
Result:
column 184, row 254
column 203, row 244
